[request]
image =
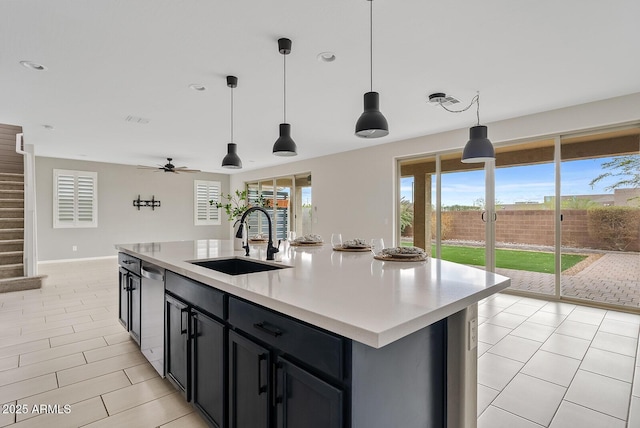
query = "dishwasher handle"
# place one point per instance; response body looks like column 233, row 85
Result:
column 151, row 273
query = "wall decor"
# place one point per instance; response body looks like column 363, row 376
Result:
column 146, row 203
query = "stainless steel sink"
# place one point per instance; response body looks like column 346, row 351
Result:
column 236, row 266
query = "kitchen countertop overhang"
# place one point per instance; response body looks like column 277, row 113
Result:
column 351, row 294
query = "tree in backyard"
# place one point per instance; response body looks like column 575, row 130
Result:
column 625, row 169
column 576, row 203
column 406, row 214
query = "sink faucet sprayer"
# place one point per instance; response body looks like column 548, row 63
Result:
column 271, row 250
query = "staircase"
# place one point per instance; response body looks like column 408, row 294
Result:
column 12, row 220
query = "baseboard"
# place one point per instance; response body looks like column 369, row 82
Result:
column 84, row 259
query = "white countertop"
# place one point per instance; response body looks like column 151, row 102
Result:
column 352, row 294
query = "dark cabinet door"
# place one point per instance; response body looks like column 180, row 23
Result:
column 208, row 367
column 305, row 401
column 249, row 383
column 124, row 298
column 177, row 351
column 134, row 307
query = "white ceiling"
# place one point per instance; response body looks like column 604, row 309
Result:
column 109, row 59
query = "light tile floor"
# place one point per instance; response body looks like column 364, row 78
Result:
column 63, row 345
column 558, row 365
column 541, row 364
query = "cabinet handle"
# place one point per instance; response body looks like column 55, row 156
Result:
column 183, row 311
column 194, row 319
column 261, row 388
column 279, row 384
column 275, row 332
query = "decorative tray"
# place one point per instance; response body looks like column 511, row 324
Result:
column 389, row 258
column 402, row 254
column 306, row 244
column 310, row 240
column 352, row 249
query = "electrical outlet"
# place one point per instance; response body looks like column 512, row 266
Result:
column 74, row 248
column 473, row 334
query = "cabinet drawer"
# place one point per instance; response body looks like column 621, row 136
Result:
column 130, row 263
column 196, row 294
column 308, row 344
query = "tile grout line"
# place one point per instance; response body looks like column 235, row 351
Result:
column 578, row 369
column 590, row 346
column 633, row 377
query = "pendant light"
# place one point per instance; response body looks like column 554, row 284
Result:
column 372, row 123
column 232, row 160
column 284, row 145
column 479, row 147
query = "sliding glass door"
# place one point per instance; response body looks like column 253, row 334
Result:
column 455, row 220
column 600, row 207
column 560, row 216
column 525, row 216
column 288, row 202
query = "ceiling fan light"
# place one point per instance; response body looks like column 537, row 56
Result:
column 372, row 123
column 479, row 147
column 284, row 145
column 232, row 160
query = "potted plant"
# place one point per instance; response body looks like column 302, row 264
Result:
column 235, row 204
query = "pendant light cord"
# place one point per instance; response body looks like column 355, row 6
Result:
column 284, row 62
column 475, row 100
column 232, row 115
column 371, row 42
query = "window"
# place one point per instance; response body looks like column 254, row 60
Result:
column 75, row 202
column 288, row 201
column 204, row 212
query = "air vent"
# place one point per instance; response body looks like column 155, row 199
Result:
column 135, row 119
column 442, row 98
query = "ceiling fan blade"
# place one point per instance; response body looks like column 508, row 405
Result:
column 146, row 167
column 188, row 170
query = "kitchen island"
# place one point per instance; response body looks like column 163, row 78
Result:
column 386, row 343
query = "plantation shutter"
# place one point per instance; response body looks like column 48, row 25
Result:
column 205, row 213
column 75, row 199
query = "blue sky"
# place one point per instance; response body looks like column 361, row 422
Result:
column 530, row 183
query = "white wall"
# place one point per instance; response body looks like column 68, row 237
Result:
column 354, row 193
column 118, row 220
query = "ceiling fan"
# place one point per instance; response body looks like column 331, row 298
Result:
column 169, row 167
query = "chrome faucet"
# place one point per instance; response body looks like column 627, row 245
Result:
column 271, row 250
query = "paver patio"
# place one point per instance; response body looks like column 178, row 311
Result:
column 614, row 278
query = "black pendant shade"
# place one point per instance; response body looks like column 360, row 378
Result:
column 372, row 123
column 478, row 148
column 284, row 145
column 232, row 160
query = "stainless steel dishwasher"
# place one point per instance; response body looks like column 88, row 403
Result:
column 152, row 315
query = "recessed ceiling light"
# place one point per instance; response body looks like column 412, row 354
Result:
column 326, row 57
column 48, row 127
column 197, row 87
column 33, row 65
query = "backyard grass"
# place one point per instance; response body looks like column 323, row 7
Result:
column 531, row 261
